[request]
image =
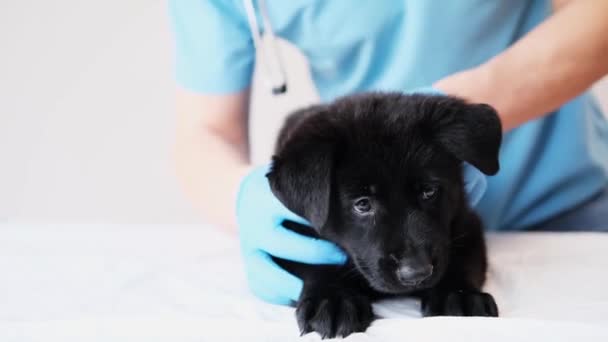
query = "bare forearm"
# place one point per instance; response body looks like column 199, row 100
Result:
column 552, row 64
column 211, row 159
column 210, row 183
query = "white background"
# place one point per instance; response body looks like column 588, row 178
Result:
column 86, row 112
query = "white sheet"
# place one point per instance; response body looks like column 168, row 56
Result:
column 185, row 283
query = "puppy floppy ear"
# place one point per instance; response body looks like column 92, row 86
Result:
column 472, row 133
column 301, row 171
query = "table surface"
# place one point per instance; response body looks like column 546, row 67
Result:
column 185, row 282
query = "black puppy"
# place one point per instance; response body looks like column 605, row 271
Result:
column 380, row 174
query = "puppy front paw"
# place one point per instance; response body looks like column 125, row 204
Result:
column 334, row 314
column 459, row 303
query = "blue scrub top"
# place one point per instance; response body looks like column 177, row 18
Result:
column 548, row 165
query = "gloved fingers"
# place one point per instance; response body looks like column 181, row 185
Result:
column 289, row 245
column 286, row 214
column 475, row 183
column 269, row 281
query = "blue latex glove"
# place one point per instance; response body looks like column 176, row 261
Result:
column 475, row 182
column 259, row 216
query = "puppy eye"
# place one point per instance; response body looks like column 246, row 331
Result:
column 363, row 206
column 428, row 192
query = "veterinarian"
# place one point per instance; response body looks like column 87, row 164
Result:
column 533, row 60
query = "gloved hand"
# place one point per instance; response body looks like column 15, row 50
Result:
column 259, row 216
column 475, row 182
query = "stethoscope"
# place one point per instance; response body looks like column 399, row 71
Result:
column 271, row 61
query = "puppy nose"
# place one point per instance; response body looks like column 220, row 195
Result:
column 409, row 274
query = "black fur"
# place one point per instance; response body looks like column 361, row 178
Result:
column 380, row 175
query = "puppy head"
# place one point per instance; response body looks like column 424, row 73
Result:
column 380, row 175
